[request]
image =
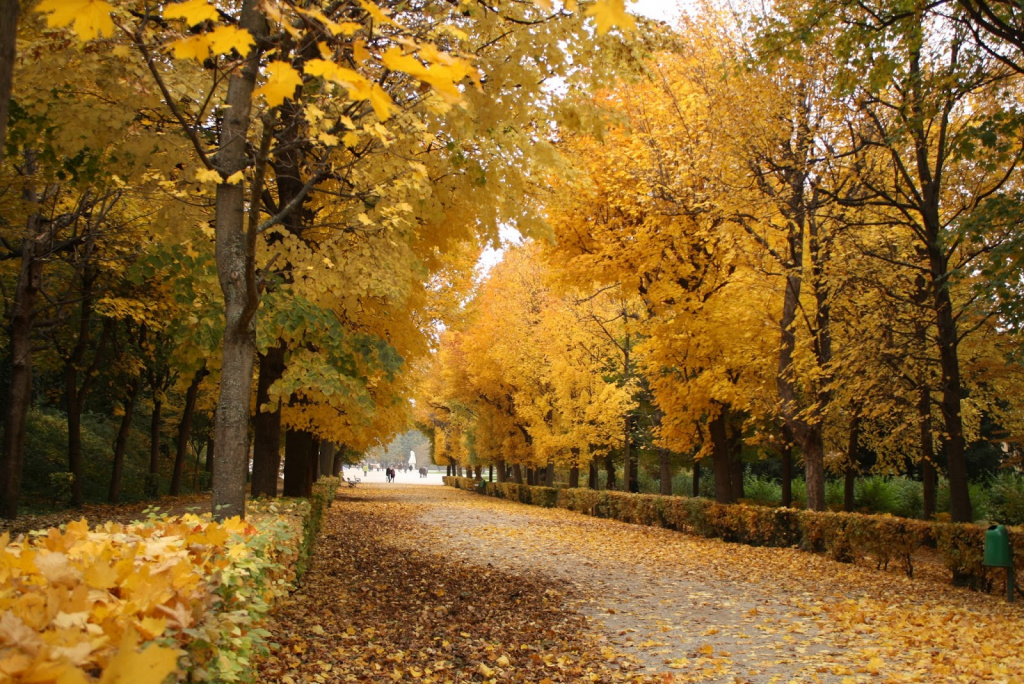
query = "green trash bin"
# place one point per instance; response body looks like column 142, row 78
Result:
column 998, row 554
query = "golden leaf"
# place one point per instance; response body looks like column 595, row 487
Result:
column 150, row 666
column 609, row 14
column 282, row 81
column 192, row 11
column 91, row 18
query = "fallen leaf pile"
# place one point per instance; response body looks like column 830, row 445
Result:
column 405, row 571
column 76, row 603
column 370, row 610
column 119, row 513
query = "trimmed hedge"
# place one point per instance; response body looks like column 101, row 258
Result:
column 844, row 537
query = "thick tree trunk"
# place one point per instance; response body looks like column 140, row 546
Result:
column 787, row 475
column 720, row 457
column 339, row 460
column 736, row 460
column 665, row 472
column 696, row 479
column 327, row 451
column 298, row 463
column 952, row 392
column 629, row 468
column 502, row 473
column 20, row 340
column 235, row 254
column 609, row 470
column 266, row 451
column 592, row 475
column 574, row 477
column 185, row 430
column 549, row 475
column 517, row 473
column 929, row 478
column 490, row 473
column 153, row 479
column 8, row 39
column 121, row 443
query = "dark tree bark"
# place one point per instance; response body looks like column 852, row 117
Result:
column 8, row 41
column 609, row 470
column 665, row 472
column 266, row 454
column 720, row 457
column 153, row 480
column 20, row 340
column 696, row 479
column 298, row 463
column 121, row 443
column 339, row 460
column 787, row 473
column 185, row 430
column 929, row 477
column 502, row 472
column 517, row 473
column 592, row 475
column 549, row 475
column 327, row 451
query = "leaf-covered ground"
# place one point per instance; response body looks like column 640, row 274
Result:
column 434, row 584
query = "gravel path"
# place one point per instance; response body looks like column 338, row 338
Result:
column 694, row 609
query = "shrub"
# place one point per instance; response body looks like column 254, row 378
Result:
column 1007, row 498
column 875, row 494
column 762, row 490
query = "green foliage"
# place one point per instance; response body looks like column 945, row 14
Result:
column 60, row 489
column 1007, row 498
column 762, row 490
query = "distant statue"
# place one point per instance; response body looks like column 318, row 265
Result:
column 412, row 459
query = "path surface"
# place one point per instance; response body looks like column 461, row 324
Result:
column 454, row 586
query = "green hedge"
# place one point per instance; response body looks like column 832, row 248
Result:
column 844, row 537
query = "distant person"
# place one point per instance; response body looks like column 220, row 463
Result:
column 423, row 472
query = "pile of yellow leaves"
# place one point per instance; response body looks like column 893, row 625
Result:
column 76, row 603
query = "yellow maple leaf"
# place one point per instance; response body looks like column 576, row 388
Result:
column 609, row 14
column 208, row 176
column 381, row 102
column 192, row 11
column 91, row 18
column 235, row 178
column 351, row 139
column 282, row 80
column 193, row 47
column 375, row 12
column 224, row 39
column 150, row 666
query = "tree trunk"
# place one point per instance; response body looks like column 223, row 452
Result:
column 298, row 463
column 929, row 478
column 574, row 477
column 266, row 450
column 665, row 472
column 327, row 451
column 609, row 469
column 517, row 473
column 629, row 468
column 502, row 473
column 592, row 475
column 720, row 457
column 211, row 453
column 549, row 475
column 8, row 40
column 696, row 479
column 20, row 341
column 787, row 475
column 952, row 391
column 736, row 460
column 153, row 480
column 235, row 254
column 74, row 396
column 185, row 430
column 339, row 460
column 477, row 473
column 490, row 473
column 121, row 443
column 852, row 464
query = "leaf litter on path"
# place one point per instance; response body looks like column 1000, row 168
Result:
column 433, row 584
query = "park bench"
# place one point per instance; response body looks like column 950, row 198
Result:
column 352, row 481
